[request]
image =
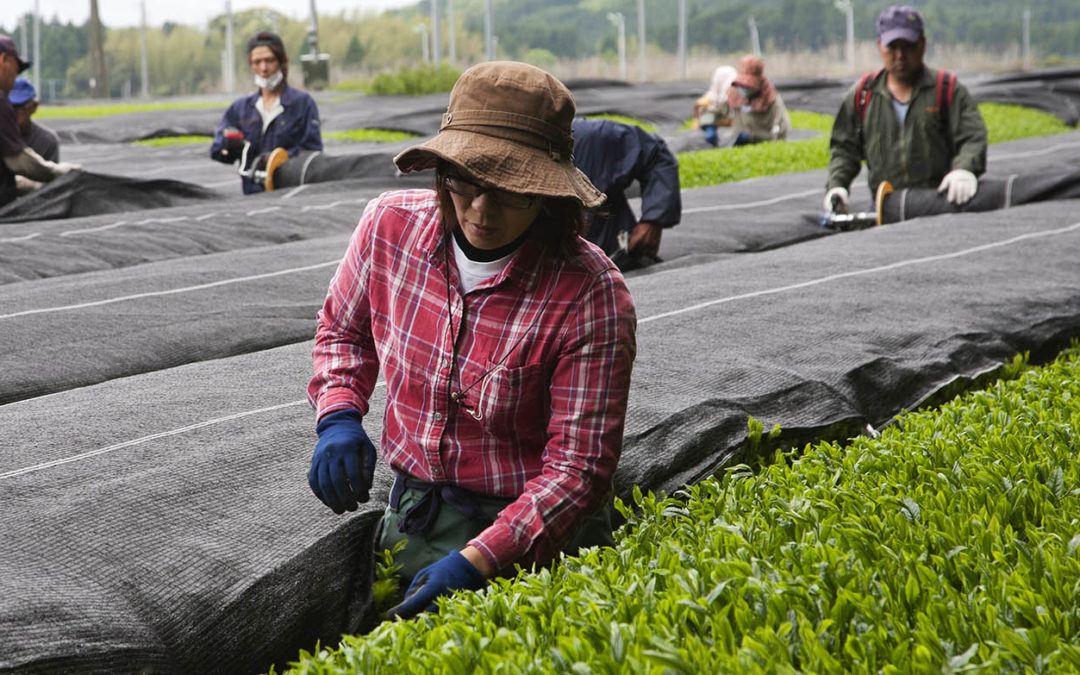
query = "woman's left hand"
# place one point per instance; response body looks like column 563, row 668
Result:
column 442, row 577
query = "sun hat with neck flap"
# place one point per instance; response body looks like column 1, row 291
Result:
column 509, row 125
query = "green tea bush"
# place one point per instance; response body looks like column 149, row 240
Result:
column 111, row 109
column 171, row 141
column 1010, row 122
column 698, row 168
column 425, row 79
column 370, row 135
column 623, row 119
column 948, row 544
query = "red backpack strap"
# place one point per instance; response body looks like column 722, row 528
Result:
column 863, row 93
column 944, row 92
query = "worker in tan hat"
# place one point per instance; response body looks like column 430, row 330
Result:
column 505, row 340
column 754, row 103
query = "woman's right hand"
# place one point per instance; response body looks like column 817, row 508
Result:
column 343, row 464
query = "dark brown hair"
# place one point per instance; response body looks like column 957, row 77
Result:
column 560, row 221
column 272, row 40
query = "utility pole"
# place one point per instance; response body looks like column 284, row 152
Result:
column 99, row 76
column 1027, row 39
column 144, row 71
column 37, row 43
column 847, row 7
column 619, row 21
column 641, row 39
column 24, row 48
column 436, row 47
column 424, row 46
column 313, row 30
column 450, row 37
column 682, row 40
column 755, row 42
column 230, row 65
column 489, row 31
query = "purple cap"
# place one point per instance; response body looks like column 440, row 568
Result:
column 22, row 92
column 899, row 22
column 7, row 46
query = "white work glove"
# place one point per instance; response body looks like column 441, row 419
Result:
column 840, row 192
column 960, row 185
column 67, row 167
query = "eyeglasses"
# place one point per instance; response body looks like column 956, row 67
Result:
column 470, row 191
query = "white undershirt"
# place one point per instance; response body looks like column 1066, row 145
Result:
column 471, row 273
column 901, row 111
column 268, row 117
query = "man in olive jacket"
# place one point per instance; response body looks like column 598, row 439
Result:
column 914, row 126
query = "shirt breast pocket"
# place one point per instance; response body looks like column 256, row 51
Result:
column 514, row 402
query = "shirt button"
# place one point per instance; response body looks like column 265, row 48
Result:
column 438, row 416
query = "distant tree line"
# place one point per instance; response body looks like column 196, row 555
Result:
column 575, row 28
column 188, row 60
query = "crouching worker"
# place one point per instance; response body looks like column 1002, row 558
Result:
column 22, row 169
column 759, row 110
column 275, row 116
column 614, row 155
column 505, row 339
column 40, row 139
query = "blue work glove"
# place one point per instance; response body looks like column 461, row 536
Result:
column 443, row 577
column 343, row 463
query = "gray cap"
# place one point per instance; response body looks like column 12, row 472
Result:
column 899, row 22
column 7, row 46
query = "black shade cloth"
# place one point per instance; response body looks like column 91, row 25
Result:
column 163, row 522
column 84, row 193
column 747, row 216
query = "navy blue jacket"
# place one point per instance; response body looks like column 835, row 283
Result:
column 613, row 155
column 296, row 129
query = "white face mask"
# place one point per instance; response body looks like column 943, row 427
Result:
column 271, row 82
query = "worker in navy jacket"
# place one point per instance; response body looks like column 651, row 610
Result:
column 613, row 156
column 275, row 116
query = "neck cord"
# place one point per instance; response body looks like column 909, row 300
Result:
column 458, row 396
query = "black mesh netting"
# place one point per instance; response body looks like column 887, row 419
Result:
column 100, row 144
column 84, row 193
column 738, row 217
column 162, row 522
column 187, row 305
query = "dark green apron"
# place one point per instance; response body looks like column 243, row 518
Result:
column 438, row 518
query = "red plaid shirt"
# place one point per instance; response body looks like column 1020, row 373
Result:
column 542, row 363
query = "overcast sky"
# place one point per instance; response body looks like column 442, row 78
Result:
column 116, row 13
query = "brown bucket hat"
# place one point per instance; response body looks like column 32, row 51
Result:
column 508, row 125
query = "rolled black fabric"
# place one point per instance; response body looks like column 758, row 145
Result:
column 993, row 194
column 318, row 167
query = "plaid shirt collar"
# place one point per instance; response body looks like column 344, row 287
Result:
column 523, row 271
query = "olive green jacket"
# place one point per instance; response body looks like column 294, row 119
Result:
column 919, row 155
